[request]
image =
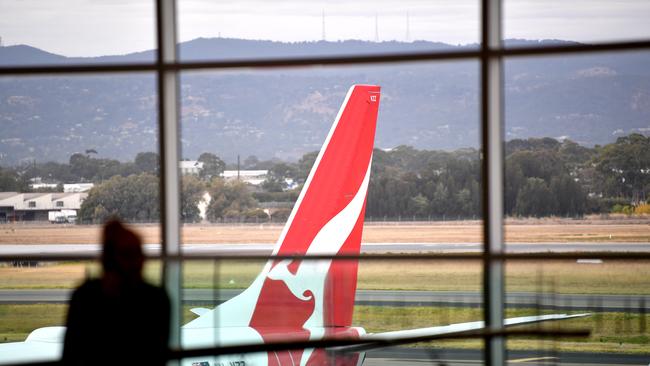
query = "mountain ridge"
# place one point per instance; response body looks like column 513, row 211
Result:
column 209, row 49
column 283, row 113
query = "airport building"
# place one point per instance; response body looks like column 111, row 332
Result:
column 254, row 177
column 16, row 206
column 190, row 167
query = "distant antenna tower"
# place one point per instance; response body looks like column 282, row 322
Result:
column 323, row 17
column 408, row 27
column 376, row 27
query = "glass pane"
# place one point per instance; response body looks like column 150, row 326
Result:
column 76, row 31
column 575, row 162
column 410, row 294
column 35, row 294
column 426, row 166
column 34, row 297
column 249, row 29
column 381, row 304
column 576, row 154
column 528, row 22
column 75, row 151
column 612, row 293
column 250, row 139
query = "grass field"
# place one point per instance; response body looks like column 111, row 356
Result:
column 610, row 332
column 612, row 277
column 516, row 231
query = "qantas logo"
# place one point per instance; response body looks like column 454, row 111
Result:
column 308, row 281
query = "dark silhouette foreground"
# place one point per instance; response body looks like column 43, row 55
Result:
column 118, row 319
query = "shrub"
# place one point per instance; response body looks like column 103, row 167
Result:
column 642, row 209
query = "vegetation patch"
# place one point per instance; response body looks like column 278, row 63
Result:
column 611, row 332
column 17, row 321
column 610, row 277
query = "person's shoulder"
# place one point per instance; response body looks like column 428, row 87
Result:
column 89, row 286
column 152, row 290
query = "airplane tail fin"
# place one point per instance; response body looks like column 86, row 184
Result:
column 338, row 175
column 327, row 219
column 307, row 298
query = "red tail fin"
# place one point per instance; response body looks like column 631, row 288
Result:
column 311, row 299
column 327, row 220
column 338, row 172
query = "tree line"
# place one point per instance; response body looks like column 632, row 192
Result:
column 543, row 177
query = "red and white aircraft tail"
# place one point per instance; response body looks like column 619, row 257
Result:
column 312, row 299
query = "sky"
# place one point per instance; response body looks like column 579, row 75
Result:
column 103, row 27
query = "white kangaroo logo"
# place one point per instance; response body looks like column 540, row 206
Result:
column 309, row 280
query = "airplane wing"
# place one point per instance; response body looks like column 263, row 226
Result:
column 42, row 344
column 452, row 329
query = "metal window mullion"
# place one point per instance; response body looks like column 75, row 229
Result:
column 641, row 45
column 492, row 142
column 169, row 154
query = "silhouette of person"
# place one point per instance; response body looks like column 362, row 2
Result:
column 118, row 319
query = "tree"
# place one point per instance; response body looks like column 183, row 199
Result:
column 569, row 195
column 280, row 215
column 463, row 202
column 251, row 162
column 539, row 164
column 273, row 184
column 81, row 167
column 281, row 171
column 230, row 200
column 100, row 214
column 559, row 165
column 84, row 168
column 132, row 198
column 213, row 166
column 192, row 190
column 532, row 144
column 440, row 201
column 255, row 215
column 304, row 166
column 10, row 181
column 277, row 176
column 535, row 199
column 514, row 180
column 419, row 205
column 147, row 162
column 623, row 168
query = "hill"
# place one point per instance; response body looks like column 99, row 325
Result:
column 284, row 113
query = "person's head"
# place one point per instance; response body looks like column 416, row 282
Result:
column 122, row 251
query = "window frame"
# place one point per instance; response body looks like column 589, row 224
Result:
column 490, row 54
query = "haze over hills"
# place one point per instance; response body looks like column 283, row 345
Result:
column 284, row 113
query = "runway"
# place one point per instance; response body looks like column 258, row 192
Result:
column 376, row 248
column 563, row 302
column 398, row 356
column 457, row 357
